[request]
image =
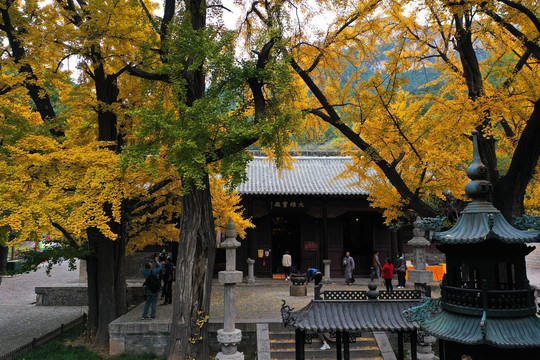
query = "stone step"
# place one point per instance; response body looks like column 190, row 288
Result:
column 357, row 354
column 289, row 343
column 282, row 346
column 288, row 335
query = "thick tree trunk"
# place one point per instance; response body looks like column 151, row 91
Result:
column 91, row 273
column 3, row 258
column 509, row 191
column 195, row 262
column 106, row 285
column 106, row 269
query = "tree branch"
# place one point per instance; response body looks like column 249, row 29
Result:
column 519, row 65
column 168, row 14
column 333, row 118
column 66, row 234
column 523, row 9
column 525, row 41
column 149, row 16
column 256, row 86
column 522, row 167
column 135, row 71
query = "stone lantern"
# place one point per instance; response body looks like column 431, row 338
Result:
column 419, row 275
column 229, row 336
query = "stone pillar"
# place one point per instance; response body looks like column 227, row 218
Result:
column 83, row 275
column 250, row 279
column 419, row 276
column 327, row 279
column 229, row 337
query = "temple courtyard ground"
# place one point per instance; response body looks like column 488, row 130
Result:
column 21, row 320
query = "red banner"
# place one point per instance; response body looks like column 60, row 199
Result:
column 311, row 246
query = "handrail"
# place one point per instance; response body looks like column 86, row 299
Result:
column 498, row 302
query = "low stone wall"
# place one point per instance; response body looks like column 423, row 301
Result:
column 78, row 295
column 145, row 336
column 130, row 334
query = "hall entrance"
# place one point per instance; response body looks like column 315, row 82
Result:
column 358, row 234
column 285, row 237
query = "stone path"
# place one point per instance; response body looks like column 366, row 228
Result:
column 263, row 300
column 20, row 319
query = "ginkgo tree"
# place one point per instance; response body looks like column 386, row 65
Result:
column 219, row 105
column 59, row 158
column 410, row 150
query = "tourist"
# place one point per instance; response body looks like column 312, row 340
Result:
column 168, row 278
column 388, row 274
column 162, row 257
column 311, row 274
column 348, row 261
column 376, row 264
column 152, row 268
column 401, row 268
column 322, row 337
column 286, row 261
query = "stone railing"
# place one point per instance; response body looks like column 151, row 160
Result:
column 362, row 295
column 497, row 302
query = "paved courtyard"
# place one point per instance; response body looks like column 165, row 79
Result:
column 21, row 320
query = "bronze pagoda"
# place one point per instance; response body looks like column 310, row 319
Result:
column 487, row 308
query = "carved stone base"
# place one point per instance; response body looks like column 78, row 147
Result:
column 235, row 356
column 230, row 277
column 298, row 290
column 420, row 276
column 226, row 337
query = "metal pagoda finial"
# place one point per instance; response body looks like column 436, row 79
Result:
column 479, row 187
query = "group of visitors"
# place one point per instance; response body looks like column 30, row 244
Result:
column 385, row 271
column 159, row 275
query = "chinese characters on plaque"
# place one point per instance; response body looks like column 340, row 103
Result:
column 287, row 204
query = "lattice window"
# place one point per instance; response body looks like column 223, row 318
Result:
column 383, row 295
column 344, row 295
column 400, row 295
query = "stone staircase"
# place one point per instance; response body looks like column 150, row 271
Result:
column 282, row 347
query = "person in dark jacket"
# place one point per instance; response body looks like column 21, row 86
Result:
column 401, row 268
column 152, row 267
column 168, row 277
column 162, row 256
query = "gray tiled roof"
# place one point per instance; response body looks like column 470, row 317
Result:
column 350, row 315
column 311, row 176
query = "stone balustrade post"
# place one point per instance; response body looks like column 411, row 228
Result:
column 327, row 279
column 250, row 279
column 83, row 276
column 229, row 337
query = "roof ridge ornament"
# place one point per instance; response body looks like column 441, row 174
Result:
column 479, row 187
